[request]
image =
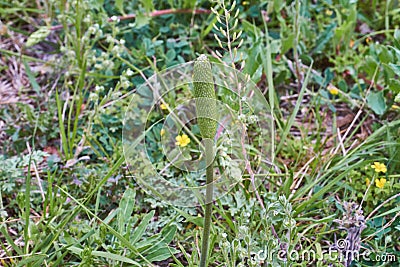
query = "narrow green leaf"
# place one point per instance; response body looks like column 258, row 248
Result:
column 115, row 257
column 160, row 255
column 324, row 37
column 168, row 234
column 10, row 241
column 105, row 254
column 193, row 219
column 396, row 209
column 31, row 259
column 294, row 113
column 139, row 231
column 126, row 206
column 31, row 78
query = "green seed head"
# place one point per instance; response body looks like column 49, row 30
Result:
column 206, row 106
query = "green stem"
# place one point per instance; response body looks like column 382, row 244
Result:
column 209, row 157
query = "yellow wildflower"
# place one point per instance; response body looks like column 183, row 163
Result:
column 182, row 140
column 368, row 40
column 164, row 106
column 351, row 43
column 379, row 167
column 162, row 132
column 367, row 181
column 395, row 107
column 3, row 29
column 328, row 12
column 380, row 183
column 333, row 90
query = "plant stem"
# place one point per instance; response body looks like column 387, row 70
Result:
column 209, row 157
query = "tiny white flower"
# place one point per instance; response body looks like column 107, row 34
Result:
column 116, row 94
column 99, row 88
column 242, row 117
column 109, row 39
column 129, row 72
column 114, row 18
column 108, row 64
column 253, row 118
column 87, row 19
column 243, row 228
column 92, row 30
column 226, row 245
column 71, row 53
column 223, row 154
column 93, row 96
column 125, row 84
column 116, row 50
column 397, row 100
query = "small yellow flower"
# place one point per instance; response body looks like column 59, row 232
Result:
column 182, row 140
column 351, row 43
column 380, row 183
column 333, row 90
column 395, row 107
column 162, row 132
column 379, row 167
column 328, row 12
column 368, row 40
column 164, row 106
column 367, row 181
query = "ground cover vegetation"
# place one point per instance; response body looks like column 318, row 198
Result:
column 329, row 71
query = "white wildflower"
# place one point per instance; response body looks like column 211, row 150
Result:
column 129, row 72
